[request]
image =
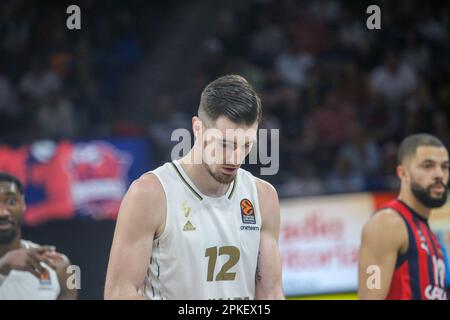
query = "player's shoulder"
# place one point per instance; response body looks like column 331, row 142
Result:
column 146, row 186
column 267, row 195
column 268, row 204
column 144, row 193
column 262, row 186
column 385, row 222
column 387, row 216
column 265, row 188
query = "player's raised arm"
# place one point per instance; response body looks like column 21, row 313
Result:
column 268, row 273
column 383, row 237
column 141, row 217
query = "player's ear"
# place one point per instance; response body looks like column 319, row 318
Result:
column 401, row 171
column 196, row 126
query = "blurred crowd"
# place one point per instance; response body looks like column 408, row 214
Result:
column 343, row 96
column 60, row 83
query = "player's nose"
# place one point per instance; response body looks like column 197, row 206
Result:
column 439, row 173
column 4, row 212
column 235, row 158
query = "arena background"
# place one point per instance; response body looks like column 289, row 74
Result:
column 84, row 112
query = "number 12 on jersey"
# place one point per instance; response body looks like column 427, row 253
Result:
column 234, row 255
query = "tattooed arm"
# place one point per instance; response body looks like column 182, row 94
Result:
column 268, row 270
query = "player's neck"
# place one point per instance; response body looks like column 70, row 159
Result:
column 203, row 180
column 13, row 245
column 414, row 204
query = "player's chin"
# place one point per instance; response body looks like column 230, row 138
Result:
column 226, row 178
column 7, row 235
column 437, row 199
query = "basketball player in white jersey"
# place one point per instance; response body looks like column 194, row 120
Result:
column 199, row 230
column 27, row 271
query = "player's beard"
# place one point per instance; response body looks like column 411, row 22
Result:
column 424, row 195
column 8, row 235
column 220, row 177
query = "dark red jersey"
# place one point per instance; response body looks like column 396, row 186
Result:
column 420, row 272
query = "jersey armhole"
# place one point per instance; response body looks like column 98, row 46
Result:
column 255, row 190
column 403, row 257
column 165, row 231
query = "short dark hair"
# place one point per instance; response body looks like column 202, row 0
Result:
column 410, row 144
column 233, row 97
column 6, row 177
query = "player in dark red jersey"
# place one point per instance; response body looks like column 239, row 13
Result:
column 400, row 257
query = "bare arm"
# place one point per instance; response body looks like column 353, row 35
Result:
column 59, row 262
column 141, row 217
column 383, row 237
column 268, row 272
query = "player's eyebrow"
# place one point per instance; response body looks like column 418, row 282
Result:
column 431, row 161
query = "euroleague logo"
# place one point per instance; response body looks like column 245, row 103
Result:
column 247, row 212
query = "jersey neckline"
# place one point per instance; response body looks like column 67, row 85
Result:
column 414, row 212
column 191, row 185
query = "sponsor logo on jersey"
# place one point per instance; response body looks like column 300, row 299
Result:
column 45, row 282
column 188, row 226
column 435, row 293
column 247, row 212
column 186, row 209
column 250, row 228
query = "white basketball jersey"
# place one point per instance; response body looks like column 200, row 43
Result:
column 21, row 285
column 209, row 246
